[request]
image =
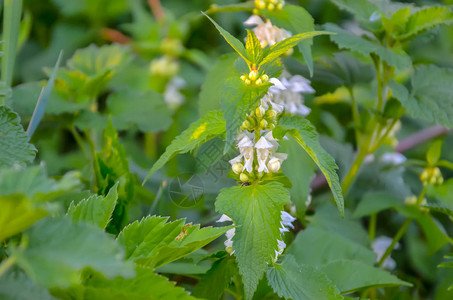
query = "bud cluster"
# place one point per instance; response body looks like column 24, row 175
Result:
column 253, row 78
column 165, row 66
column 431, row 175
column 260, row 119
column 268, row 4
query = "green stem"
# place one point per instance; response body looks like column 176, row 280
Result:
column 382, row 138
column 349, row 178
column 355, row 115
column 150, row 144
column 379, row 85
column 79, row 141
column 6, row 264
column 372, row 226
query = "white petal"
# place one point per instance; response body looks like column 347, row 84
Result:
column 393, row 158
column 281, row 245
column 228, row 243
column 236, row 160
column 230, row 233
column 263, row 143
column 300, row 84
column 277, row 83
column 224, row 218
column 303, row 110
column 253, row 20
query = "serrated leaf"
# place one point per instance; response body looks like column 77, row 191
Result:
column 152, row 242
column 146, row 110
column 146, row 285
column 278, row 49
column 15, row 285
column 431, row 97
column 234, row 42
column 255, row 210
column 17, row 214
column 361, row 9
column 297, row 20
column 440, row 208
column 211, row 92
column 424, row 19
column 253, row 48
column 206, row 128
column 14, row 146
column 300, row 282
column 96, row 209
column 58, row 250
column 238, row 100
column 352, row 275
column 375, row 202
column 305, row 134
column 315, row 246
column 347, row 40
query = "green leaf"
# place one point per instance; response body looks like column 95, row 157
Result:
column 238, row 100
column 17, row 214
column 152, row 242
column 146, row 285
column 434, row 151
column 255, row 210
column 199, row 132
column 440, row 208
column 14, row 146
column 431, row 96
column 275, row 51
column 305, row 134
column 15, row 285
column 424, row 19
column 211, row 92
column 300, row 282
column 234, row 42
column 297, row 20
column 96, row 210
column 58, row 250
column 346, row 40
column 375, row 202
column 217, row 279
column 146, row 110
column 315, row 246
column 361, row 9
column 351, row 275
column 253, row 48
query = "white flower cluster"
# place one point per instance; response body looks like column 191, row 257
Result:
column 268, row 159
column 267, row 34
column 286, row 222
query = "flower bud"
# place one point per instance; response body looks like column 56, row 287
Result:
column 258, row 82
column 260, row 111
column 243, row 77
column 271, row 114
column 253, row 75
column 279, row 6
column 264, row 78
column 247, row 82
column 246, row 125
column 260, row 4
column 412, row 200
column 270, row 6
column 274, row 165
column 243, row 177
column 229, row 250
column 237, row 168
column 263, row 124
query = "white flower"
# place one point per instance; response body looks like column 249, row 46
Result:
column 394, row 158
column 281, row 247
column 263, row 151
column 229, row 242
column 245, row 145
column 379, row 247
column 172, row 95
column 266, row 33
column 224, row 218
column 275, row 161
column 287, row 220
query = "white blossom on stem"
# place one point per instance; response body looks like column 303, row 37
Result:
column 379, row 247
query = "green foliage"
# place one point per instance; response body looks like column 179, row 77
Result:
column 300, row 282
column 209, row 126
column 152, row 242
column 304, row 133
column 255, row 211
column 14, row 146
column 375, row 202
column 15, row 285
column 95, row 209
column 57, row 250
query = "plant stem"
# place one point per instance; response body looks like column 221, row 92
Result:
column 6, row 264
column 79, row 140
column 372, row 226
column 349, row 178
column 355, row 115
column 379, row 85
column 156, row 8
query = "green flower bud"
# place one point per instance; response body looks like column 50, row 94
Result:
column 247, row 82
column 264, row 78
column 237, row 168
column 253, row 75
column 258, row 82
column 243, row 177
column 243, row 77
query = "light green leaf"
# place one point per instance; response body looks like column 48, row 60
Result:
column 234, row 42
column 58, row 250
column 297, row 20
column 425, row 19
column 15, row 285
column 17, row 213
column 146, row 285
column 351, row 275
column 152, row 242
column 255, row 210
column 253, row 48
column 375, row 202
column 305, row 134
column 14, row 146
column 96, row 210
column 431, row 96
column 34, row 183
column 346, row 40
column 301, row 282
column 199, row 132
column 211, row 92
column 315, row 246
column 434, row 151
column 276, row 50
column 361, row 9
column 147, row 110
